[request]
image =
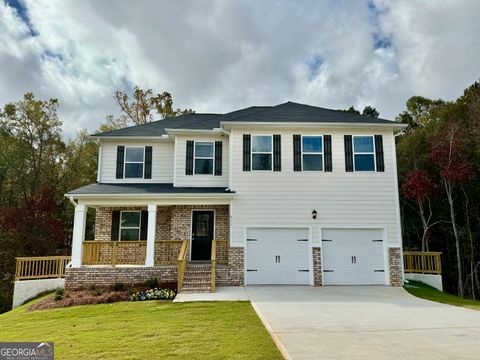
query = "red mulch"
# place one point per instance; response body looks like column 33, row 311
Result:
column 81, row 297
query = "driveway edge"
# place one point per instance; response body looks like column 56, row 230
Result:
column 275, row 338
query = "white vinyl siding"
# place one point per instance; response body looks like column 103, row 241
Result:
column 288, row 197
column 182, row 180
column 162, row 161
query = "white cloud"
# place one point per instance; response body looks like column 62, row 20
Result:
column 223, row 55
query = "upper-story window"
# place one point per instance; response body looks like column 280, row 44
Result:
column 134, row 162
column 312, row 153
column 262, row 152
column 364, row 153
column 130, row 225
column 204, row 157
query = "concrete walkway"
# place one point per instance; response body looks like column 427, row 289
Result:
column 228, row 293
column 365, row 322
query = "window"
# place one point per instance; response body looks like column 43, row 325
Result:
column 134, row 159
column 130, row 225
column 262, row 152
column 364, row 153
column 312, row 153
column 204, row 158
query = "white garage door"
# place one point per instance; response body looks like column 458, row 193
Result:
column 353, row 257
column 277, row 256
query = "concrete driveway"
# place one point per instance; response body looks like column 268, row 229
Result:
column 365, row 322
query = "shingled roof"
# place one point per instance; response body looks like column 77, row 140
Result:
column 288, row 112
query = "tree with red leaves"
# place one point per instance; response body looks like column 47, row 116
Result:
column 418, row 188
column 447, row 157
column 33, row 229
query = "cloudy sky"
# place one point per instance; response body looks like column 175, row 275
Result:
column 222, row 55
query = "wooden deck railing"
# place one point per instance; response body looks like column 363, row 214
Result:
column 45, row 267
column 182, row 263
column 214, row 265
column 422, row 262
column 114, row 252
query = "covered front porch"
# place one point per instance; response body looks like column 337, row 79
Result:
column 142, row 236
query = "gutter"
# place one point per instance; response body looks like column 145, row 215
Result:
column 231, row 124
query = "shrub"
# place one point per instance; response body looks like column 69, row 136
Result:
column 153, row 294
column 118, row 286
column 98, row 292
column 92, row 288
column 152, row 283
column 60, row 294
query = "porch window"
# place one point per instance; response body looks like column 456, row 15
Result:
column 134, row 161
column 364, row 153
column 204, row 158
column 130, row 225
column 262, row 152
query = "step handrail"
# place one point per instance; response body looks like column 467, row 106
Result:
column 182, row 263
column 214, row 265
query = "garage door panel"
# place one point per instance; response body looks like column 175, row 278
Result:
column 353, row 256
column 276, row 256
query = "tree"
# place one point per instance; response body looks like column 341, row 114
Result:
column 370, row 111
column 31, row 134
column 420, row 112
column 141, row 108
column 447, row 157
column 352, row 110
column 418, row 188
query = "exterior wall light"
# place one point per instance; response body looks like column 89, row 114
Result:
column 314, row 214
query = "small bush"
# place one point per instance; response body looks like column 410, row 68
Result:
column 92, row 288
column 98, row 292
column 153, row 294
column 152, row 283
column 60, row 294
column 118, row 286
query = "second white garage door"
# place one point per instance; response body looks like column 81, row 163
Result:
column 277, row 256
column 353, row 257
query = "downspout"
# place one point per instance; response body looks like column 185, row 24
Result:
column 72, row 201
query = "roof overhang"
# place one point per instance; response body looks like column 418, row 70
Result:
column 131, row 137
column 175, row 132
column 314, row 125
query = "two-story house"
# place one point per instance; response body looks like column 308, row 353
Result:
column 286, row 194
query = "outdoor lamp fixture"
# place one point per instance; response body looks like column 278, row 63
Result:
column 314, row 214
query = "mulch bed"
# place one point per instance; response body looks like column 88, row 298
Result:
column 81, row 297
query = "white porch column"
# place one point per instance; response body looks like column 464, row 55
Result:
column 78, row 236
column 152, row 221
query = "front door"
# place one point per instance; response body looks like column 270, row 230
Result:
column 202, row 235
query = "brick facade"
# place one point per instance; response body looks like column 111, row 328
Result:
column 317, row 266
column 77, row 278
column 395, row 265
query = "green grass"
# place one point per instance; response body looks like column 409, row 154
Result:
column 427, row 292
column 150, row 329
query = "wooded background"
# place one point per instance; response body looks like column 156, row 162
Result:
column 438, row 164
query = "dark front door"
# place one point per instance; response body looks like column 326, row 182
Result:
column 202, row 235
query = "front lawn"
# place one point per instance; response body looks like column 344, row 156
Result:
column 142, row 330
column 427, row 292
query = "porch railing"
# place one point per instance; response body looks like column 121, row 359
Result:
column 114, row 252
column 46, row 267
column 182, row 264
column 214, row 265
column 422, row 262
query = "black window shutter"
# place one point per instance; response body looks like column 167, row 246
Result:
column 148, row 163
column 327, row 152
column 379, row 153
column 143, row 225
column 247, row 148
column 115, row 225
column 120, row 161
column 297, row 152
column 277, row 153
column 189, row 158
column 348, row 153
column 218, row 158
